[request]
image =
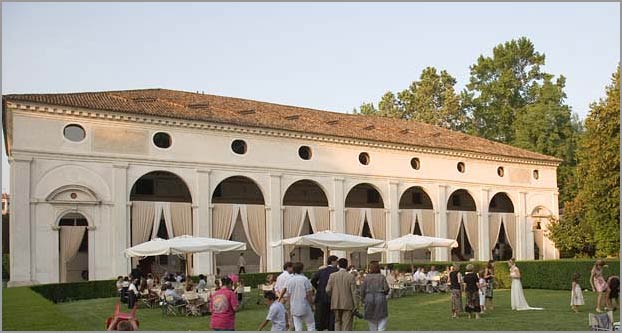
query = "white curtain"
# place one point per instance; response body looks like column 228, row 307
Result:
column 494, row 228
column 470, row 225
column 293, row 221
column 254, row 223
column 378, row 222
column 70, row 239
column 223, row 220
column 143, row 213
column 453, row 224
column 509, row 222
column 319, row 218
column 406, row 217
column 162, row 209
column 426, row 222
column 181, row 216
column 355, row 219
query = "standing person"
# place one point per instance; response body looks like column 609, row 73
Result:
column 276, row 313
column 279, row 289
column 517, row 296
column 324, row 318
column 241, row 264
column 576, row 295
column 471, row 290
column 598, row 283
column 489, row 276
column 455, row 286
column 132, row 293
column 374, row 291
column 223, row 305
column 482, row 285
column 341, row 288
column 613, row 293
column 300, row 294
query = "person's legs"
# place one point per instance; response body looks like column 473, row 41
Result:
column 373, row 325
column 382, row 324
column 321, row 316
column 298, row 323
column 309, row 320
column 346, row 320
column 338, row 324
column 331, row 318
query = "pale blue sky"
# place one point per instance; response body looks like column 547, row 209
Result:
column 318, row 55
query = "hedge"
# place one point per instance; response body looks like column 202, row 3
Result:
column 67, row 292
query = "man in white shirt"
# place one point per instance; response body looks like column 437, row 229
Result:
column 299, row 291
column 431, row 277
column 279, row 289
column 241, row 264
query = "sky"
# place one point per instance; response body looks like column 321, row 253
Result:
column 329, row 56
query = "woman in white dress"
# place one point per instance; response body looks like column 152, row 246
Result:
column 518, row 300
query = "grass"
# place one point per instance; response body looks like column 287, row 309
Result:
column 23, row 309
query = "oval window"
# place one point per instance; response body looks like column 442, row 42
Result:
column 74, row 132
column 304, row 152
column 461, row 167
column 536, row 174
column 364, row 158
column 162, row 140
column 414, row 163
column 238, row 147
column 500, row 171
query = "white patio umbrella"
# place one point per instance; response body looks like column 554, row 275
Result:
column 329, row 240
column 413, row 242
column 183, row 245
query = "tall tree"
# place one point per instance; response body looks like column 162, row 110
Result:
column 500, row 88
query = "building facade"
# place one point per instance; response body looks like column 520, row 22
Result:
column 95, row 173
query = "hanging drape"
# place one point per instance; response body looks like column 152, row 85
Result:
column 427, row 223
column 538, row 237
column 70, row 240
column 162, row 209
column 416, row 218
column 181, row 216
column 293, row 220
column 509, row 222
column 470, row 225
column 406, row 216
column 493, row 228
column 355, row 219
column 143, row 213
column 254, row 223
column 453, row 224
column 223, row 220
column 378, row 222
column 319, row 218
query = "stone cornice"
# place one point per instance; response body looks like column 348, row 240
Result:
column 142, row 119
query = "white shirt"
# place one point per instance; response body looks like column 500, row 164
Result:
column 276, row 315
column 297, row 288
column 281, row 281
column 132, row 288
column 432, row 275
column 241, row 262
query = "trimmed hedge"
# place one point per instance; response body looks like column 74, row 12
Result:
column 67, row 292
column 557, row 274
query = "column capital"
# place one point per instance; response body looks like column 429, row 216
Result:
column 207, row 171
column 522, row 193
column 194, row 206
column 91, row 228
column 54, row 227
column 394, row 182
column 485, row 189
column 120, row 165
column 129, row 204
column 338, row 179
column 276, row 175
column 20, row 159
column 443, row 186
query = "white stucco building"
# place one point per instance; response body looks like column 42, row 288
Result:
column 94, row 173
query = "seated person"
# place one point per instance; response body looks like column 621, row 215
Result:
column 270, row 282
column 150, row 281
column 202, row 283
column 432, row 276
column 170, row 292
column 239, row 290
column 119, row 283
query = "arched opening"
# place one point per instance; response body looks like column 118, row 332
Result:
column 416, row 214
column 239, row 215
column 365, row 216
column 73, row 248
column 161, row 207
column 305, row 212
column 502, row 226
column 462, row 224
column 544, row 248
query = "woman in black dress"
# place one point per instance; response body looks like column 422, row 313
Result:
column 455, row 281
column 471, row 290
column 489, row 276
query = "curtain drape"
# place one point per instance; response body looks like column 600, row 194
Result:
column 453, row 224
column 538, row 237
column 319, row 218
column 509, row 222
column 427, row 223
column 416, row 218
column 471, row 226
column 143, row 214
column 70, row 239
column 181, row 218
column 162, row 209
column 494, row 228
column 254, row 223
column 353, row 220
column 378, row 221
column 406, row 216
column 223, row 220
column 293, row 220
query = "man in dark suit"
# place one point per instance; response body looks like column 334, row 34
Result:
column 324, row 318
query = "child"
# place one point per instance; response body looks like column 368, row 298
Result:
column 576, row 295
column 239, row 290
column 276, row 313
column 482, row 291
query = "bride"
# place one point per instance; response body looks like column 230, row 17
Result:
column 517, row 296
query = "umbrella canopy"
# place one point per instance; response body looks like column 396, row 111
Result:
column 331, row 241
column 183, row 245
column 412, row 242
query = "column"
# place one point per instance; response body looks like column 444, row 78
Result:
column 21, row 230
column 484, row 226
column 522, row 247
column 202, row 220
column 555, row 212
column 441, row 254
column 393, row 230
column 274, row 217
column 338, row 214
column 120, row 221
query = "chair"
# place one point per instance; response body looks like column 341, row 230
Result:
column 244, row 298
column 193, row 307
column 397, row 289
column 169, row 307
column 601, row 321
column 148, row 299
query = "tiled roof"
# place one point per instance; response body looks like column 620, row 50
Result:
column 243, row 112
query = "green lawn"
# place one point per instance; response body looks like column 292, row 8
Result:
column 23, row 309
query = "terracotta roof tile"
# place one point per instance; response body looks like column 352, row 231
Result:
column 243, row 112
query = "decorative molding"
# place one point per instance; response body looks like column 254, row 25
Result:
column 21, row 159
column 91, row 228
column 120, row 165
column 339, row 179
column 194, row 206
column 54, row 227
column 394, row 182
column 207, row 171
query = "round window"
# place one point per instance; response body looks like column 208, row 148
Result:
column 162, row 140
column 74, row 132
column 304, row 152
column 461, row 167
column 238, row 147
column 364, row 158
column 536, row 174
column 414, row 163
column 500, row 171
